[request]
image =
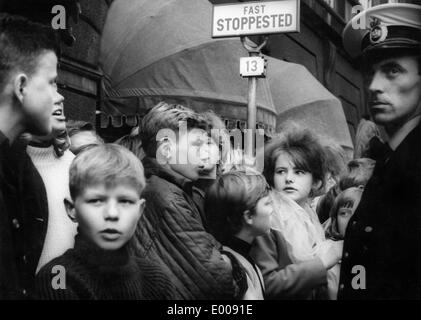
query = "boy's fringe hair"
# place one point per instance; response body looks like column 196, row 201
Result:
column 342, row 199
column 229, row 197
column 108, row 164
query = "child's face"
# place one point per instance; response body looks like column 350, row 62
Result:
column 262, row 217
column 59, row 120
column 291, row 181
column 107, row 216
column 186, row 158
column 58, row 123
column 346, row 211
column 40, row 95
column 209, row 154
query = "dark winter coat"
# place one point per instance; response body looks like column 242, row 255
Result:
column 382, row 246
column 23, row 221
column 171, row 230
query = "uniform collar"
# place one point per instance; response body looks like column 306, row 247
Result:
column 3, row 138
column 396, row 139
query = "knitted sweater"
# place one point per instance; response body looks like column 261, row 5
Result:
column 55, row 174
column 91, row 273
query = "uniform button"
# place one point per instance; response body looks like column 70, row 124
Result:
column 346, row 255
column 16, row 223
column 341, row 287
column 24, row 292
column 368, row 229
column 24, row 259
column 354, row 223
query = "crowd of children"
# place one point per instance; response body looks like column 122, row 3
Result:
column 164, row 213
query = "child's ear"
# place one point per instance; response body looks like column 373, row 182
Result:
column 142, row 207
column 248, row 217
column 164, row 151
column 317, row 185
column 70, row 209
column 19, row 85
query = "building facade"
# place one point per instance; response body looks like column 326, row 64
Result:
column 318, row 47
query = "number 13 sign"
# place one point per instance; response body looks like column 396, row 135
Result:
column 253, row 67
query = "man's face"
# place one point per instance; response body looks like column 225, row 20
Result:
column 40, row 95
column 187, row 158
column 394, row 87
column 107, row 216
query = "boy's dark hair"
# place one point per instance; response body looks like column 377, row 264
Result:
column 325, row 203
column 228, row 198
column 305, row 151
column 21, row 43
column 132, row 142
column 359, row 172
column 167, row 116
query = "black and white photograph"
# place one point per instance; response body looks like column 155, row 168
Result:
column 190, row 151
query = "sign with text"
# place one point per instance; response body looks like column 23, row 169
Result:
column 252, row 67
column 252, row 18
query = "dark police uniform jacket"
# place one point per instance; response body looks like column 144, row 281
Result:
column 23, row 221
column 381, row 257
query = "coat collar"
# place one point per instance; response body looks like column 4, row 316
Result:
column 396, row 139
column 411, row 141
column 152, row 167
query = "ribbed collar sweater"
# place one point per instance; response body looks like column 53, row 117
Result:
column 54, row 172
column 95, row 274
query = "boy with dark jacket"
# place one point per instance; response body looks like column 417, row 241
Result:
column 28, row 91
column 171, row 228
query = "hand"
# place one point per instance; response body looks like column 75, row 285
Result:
column 331, row 253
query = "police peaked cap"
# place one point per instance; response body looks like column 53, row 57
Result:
column 388, row 26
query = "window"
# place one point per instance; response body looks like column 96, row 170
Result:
column 371, row 3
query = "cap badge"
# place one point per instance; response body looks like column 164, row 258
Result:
column 378, row 32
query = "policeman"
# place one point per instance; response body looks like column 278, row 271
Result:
column 382, row 249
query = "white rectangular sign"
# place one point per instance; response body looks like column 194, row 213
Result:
column 257, row 17
column 252, row 67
